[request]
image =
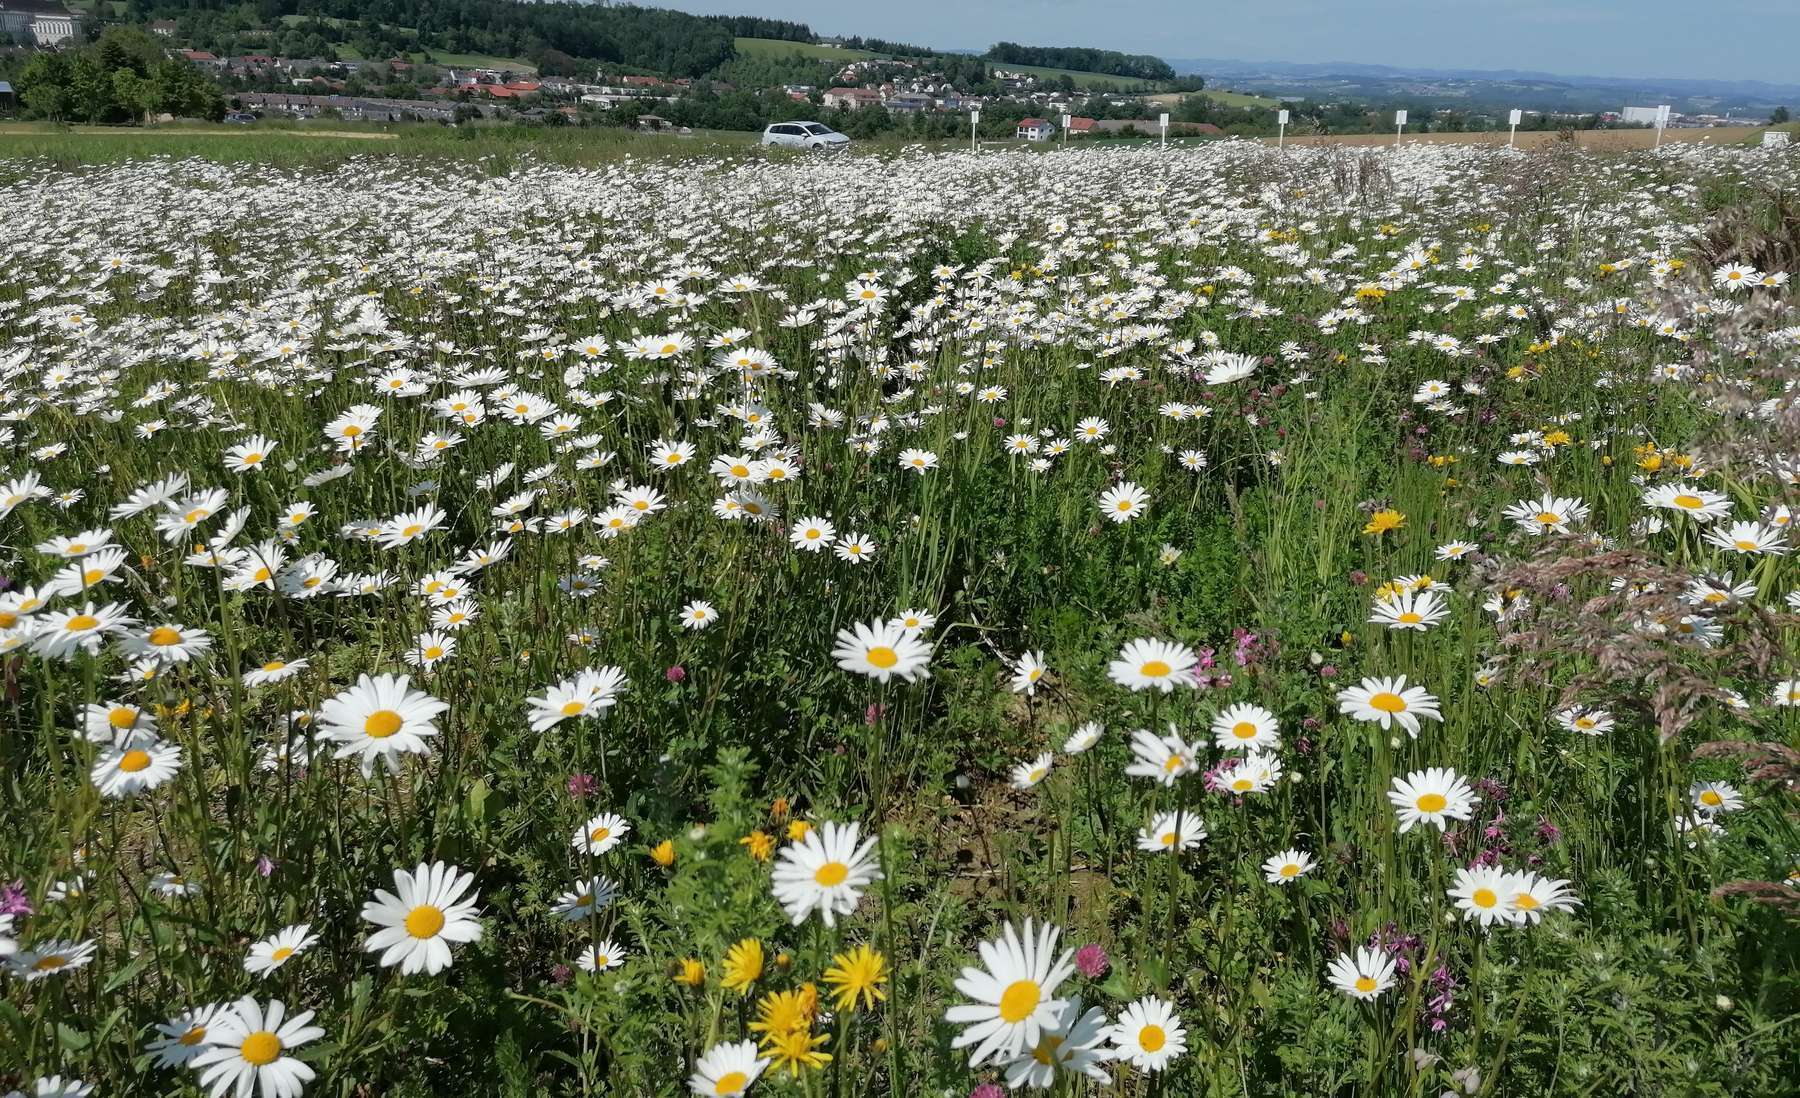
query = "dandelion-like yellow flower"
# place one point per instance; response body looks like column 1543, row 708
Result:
column 857, row 976
column 663, row 853
column 796, row 1051
column 1382, row 521
column 761, row 844
column 743, row 965
column 690, row 972
column 781, row 1012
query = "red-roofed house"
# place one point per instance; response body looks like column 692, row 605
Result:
column 1079, row 125
column 1035, row 129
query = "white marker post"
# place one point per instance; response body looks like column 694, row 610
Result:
column 1513, row 120
column 1163, row 121
column 1281, row 118
column 1065, row 131
column 1662, row 120
column 1399, row 125
column 974, row 120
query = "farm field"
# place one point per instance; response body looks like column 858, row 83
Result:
column 642, row 617
column 779, row 47
column 1224, row 98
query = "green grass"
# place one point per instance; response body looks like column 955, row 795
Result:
column 1239, row 99
column 1081, row 79
column 476, row 61
column 323, row 143
column 776, row 47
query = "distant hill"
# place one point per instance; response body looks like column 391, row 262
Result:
column 1516, row 87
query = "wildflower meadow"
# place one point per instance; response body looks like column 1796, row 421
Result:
column 1192, row 622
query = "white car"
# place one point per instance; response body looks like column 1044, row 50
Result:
column 803, row 135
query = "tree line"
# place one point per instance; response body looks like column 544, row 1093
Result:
column 120, row 78
column 1083, row 59
column 649, row 39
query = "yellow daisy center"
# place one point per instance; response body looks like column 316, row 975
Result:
column 1365, row 984
column 1019, row 1000
column 883, row 657
column 282, row 954
column 1484, row 897
column 1433, row 802
column 260, row 1048
column 1154, row 669
column 134, row 760
column 1388, row 702
column 122, row 716
column 82, row 622
column 1152, row 1038
column 163, row 636
column 381, row 724
column 424, row 921
column 831, row 874
column 1244, row 730
column 732, row 1082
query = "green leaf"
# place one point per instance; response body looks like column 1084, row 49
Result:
column 71, row 1038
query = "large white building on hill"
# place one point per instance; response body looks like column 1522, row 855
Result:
column 38, row 22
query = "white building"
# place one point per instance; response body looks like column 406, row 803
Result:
column 1646, row 115
column 38, row 22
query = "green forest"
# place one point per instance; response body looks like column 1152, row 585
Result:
column 1082, row 59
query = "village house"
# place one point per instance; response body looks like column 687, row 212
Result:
column 1034, row 129
column 205, row 59
column 854, row 99
column 354, row 107
column 908, row 103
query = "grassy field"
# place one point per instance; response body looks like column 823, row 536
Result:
column 1081, row 79
column 1223, row 98
column 573, row 613
column 777, row 47
column 324, row 143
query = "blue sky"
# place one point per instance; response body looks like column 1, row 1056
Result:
column 1744, row 39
